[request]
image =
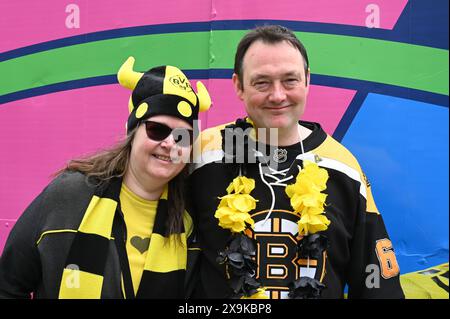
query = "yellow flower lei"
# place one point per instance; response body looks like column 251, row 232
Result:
column 234, row 207
column 306, row 197
column 308, row 200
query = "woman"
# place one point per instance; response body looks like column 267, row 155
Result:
column 113, row 225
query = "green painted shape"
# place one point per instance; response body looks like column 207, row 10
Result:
column 381, row 61
column 387, row 62
column 185, row 50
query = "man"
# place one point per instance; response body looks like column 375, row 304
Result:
column 296, row 250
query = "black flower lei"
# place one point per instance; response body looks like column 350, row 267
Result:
column 238, row 153
column 240, row 265
column 311, row 246
column 239, row 255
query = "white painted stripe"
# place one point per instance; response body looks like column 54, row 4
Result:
column 347, row 170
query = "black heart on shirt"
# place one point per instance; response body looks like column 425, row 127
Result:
column 140, row 244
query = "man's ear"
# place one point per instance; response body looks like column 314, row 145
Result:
column 308, row 77
column 238, row 88
column 308, row 82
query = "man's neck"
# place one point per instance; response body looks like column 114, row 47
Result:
column 288, row 136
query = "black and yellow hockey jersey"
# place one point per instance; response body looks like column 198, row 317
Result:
column 360, row 254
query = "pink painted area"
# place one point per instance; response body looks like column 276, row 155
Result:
column 29, row 22
column 325, row 105
column 25, row 23
column 5, row 228
column 226, row 106
column 39, row 135
column 350, row 12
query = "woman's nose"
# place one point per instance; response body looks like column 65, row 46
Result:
column 168, row 142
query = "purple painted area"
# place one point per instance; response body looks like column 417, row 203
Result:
column 22, row 21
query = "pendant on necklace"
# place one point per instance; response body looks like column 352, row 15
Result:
column 280, row 155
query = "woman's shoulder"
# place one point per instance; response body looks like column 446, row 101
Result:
column 69, row 180
column 64, row 201
column 59, row 206
column 70, row 183
column 72, row 186
column 68, row 188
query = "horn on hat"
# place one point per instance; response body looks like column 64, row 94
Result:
column 126, row 76
column 203, row 97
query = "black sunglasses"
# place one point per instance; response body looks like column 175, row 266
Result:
column 159, row 132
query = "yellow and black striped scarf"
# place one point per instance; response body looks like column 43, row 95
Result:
column 165, row 265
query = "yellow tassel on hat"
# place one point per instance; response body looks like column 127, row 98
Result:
column 126, row 76
column 203, row 97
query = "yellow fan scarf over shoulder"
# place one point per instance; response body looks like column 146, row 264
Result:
column 165, row 265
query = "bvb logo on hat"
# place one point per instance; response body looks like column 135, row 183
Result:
column 162, row 90
column 181, row 82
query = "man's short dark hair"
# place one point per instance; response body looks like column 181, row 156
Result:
column 268, row 34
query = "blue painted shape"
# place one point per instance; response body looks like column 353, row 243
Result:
column 423, row 23
column 402, row 145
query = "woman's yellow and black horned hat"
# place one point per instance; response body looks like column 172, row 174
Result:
column 162, row 90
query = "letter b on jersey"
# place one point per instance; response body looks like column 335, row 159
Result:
column 277, row 254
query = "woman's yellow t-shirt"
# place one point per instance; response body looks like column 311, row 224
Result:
column 139, row 215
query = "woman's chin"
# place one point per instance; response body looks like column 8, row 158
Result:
column 164, row 173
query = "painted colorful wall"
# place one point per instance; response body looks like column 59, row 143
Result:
column 380, row 73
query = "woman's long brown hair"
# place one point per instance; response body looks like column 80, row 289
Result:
column 113, row 162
